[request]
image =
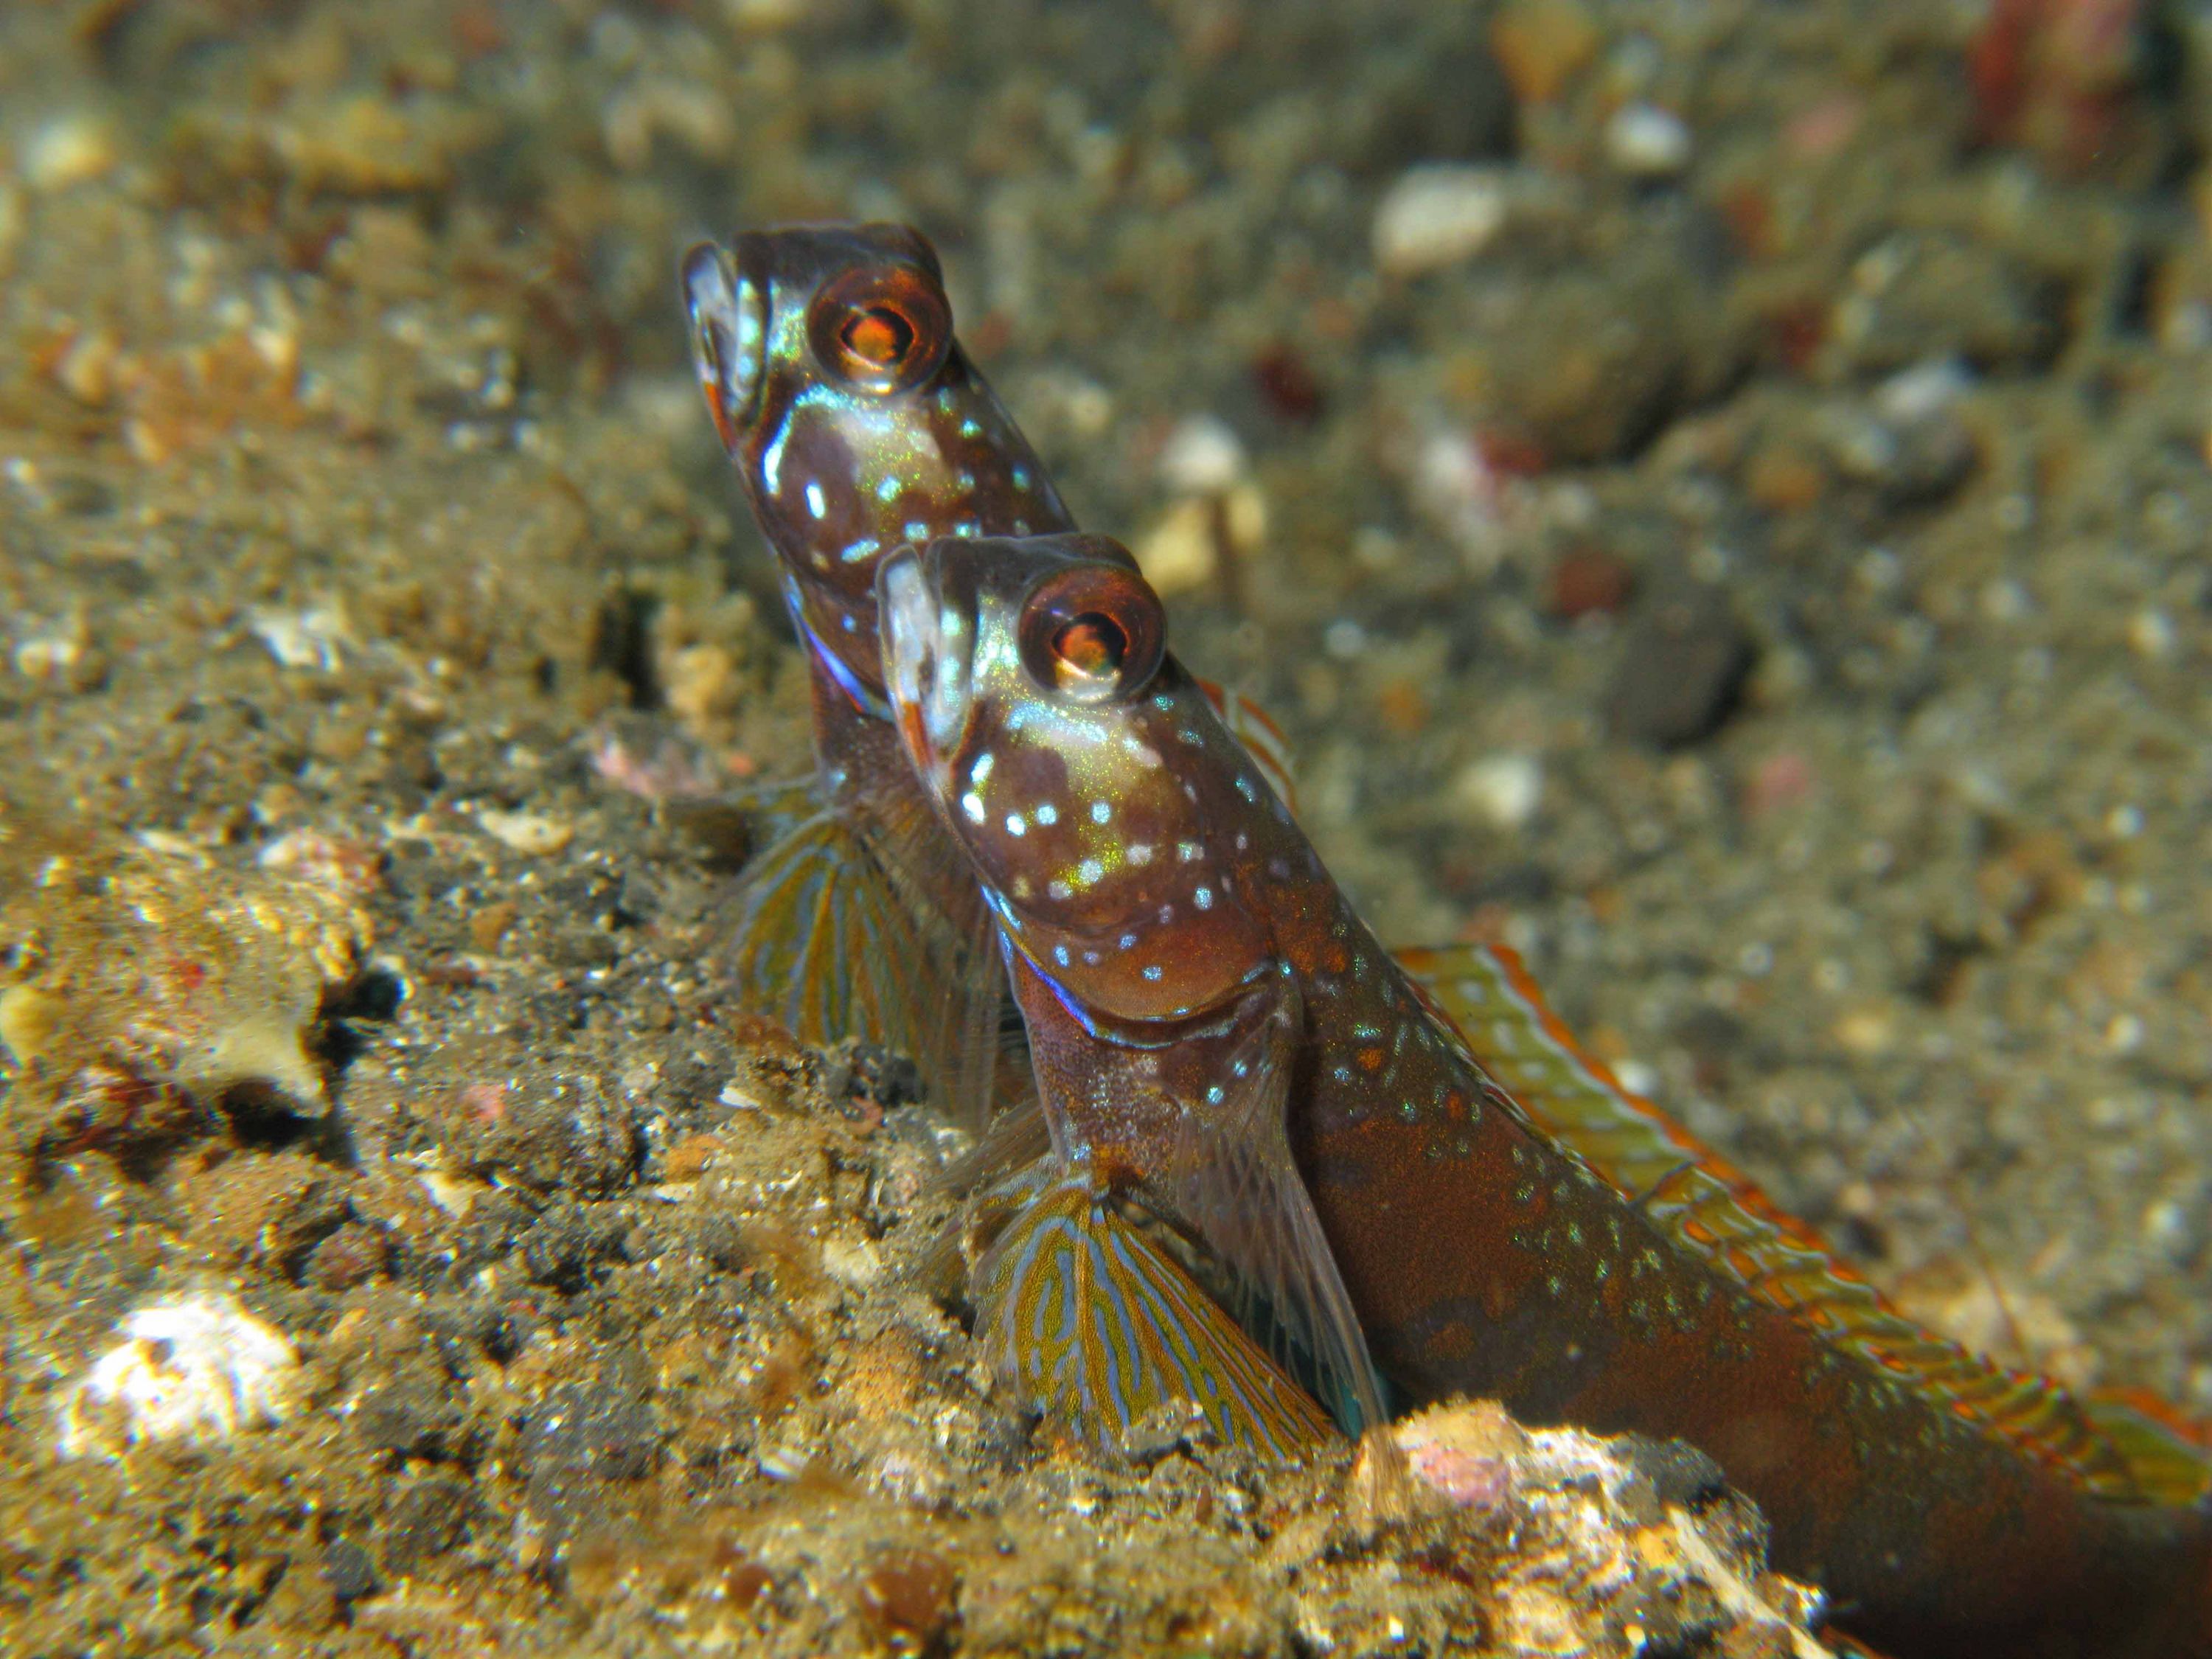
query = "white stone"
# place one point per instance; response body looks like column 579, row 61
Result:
column 533, row 833
column 1923, row 391
column 69, row 150
column 316, row 638
column 197, row 1371
column 1647, row 142
column 1202, row 457
column 1501, row 790
column 1438, row 213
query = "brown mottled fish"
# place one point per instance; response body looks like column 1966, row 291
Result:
column 1219, row 1037
column 856, row 423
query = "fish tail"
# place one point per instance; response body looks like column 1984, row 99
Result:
column 1083, row 1315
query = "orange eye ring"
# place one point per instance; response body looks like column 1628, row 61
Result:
column 1093, row 632
column 881, row 328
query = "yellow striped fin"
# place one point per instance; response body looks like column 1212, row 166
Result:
column 2168, row 1455
column 834, row 939
column 1083, row 1315
column 1714, row 1209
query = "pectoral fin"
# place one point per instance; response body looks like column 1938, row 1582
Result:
column 1235, row 1183
column 1083, row 1315
column 833, row 942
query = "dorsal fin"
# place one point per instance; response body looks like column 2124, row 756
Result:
column 1254, row 727
column 1483, row 992
column 2168, row 1454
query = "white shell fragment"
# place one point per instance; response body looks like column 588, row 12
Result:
column 1438, row 213
column 198, row 1370
column 1647, row 142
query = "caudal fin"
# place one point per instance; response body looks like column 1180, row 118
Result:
column 1083, row 1315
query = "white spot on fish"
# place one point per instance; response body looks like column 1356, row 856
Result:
column 1189, row 851
column 984, row 763
column 1089, row 872
column 1058, row 889
column 1153, row 973
column 1015, row 826
column 815, row 504
column 1141, row 852
column 1048, row 814
column 1203, row 898
column 972, row 804
column 1100, row 811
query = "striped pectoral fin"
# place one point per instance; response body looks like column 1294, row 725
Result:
column 1082, row 1316
column 830, row 940
column 1234, row 1181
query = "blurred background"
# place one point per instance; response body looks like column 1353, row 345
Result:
column 1715, row 492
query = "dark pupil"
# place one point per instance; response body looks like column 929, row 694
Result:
column 1092, row 645
column 879, row 336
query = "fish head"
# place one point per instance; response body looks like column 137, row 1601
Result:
column 1073, row 760
column 827, row 356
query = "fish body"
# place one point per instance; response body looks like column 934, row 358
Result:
column 1218, row 1035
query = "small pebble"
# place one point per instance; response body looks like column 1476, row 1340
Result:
column 1646, row 141
column 1502, row 791
column 1437, row 215
column 533, row 833
column 1203, row 455
column 69, row 150
column 1682, row 666
column 195, row 1371
column 2151, row 635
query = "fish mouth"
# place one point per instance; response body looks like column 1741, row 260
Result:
column 728, row 312
column 926, row 679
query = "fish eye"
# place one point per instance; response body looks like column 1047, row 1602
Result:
column 1092, row 646
column 879, row 336
column 1093, row 633
column 881, row 330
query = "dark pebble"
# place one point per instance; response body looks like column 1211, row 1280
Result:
column 348, row 1570
column 414, row 1416
column 568, row 1242
column 585, row 1435
column 428, row 1519
column 1681, row 672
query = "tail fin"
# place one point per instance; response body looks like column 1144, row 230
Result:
column 1082, row 1314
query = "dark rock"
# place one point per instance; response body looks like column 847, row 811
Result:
column 1679, row 1472
column 428, row 1518
column 568, row 1242
column 583, row 1437
column 1681, row 671
column 413, row 1416
column 348, row 1570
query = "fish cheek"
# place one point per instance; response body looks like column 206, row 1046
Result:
column 823, row 533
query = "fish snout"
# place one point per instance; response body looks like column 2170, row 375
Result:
column 925, row 680
column 728, row 313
